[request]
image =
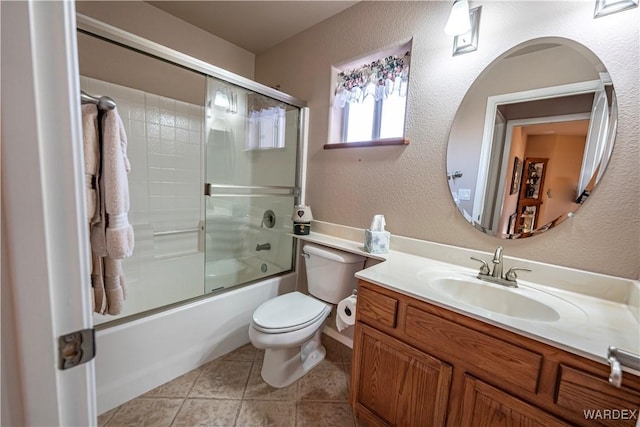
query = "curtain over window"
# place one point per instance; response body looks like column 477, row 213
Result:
column 378, row 79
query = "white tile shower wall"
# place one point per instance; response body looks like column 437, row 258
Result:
column 164, row 148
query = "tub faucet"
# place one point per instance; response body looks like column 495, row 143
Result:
column 263, row 247
column 496, row 276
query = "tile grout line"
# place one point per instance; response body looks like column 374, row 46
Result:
column 342, row 363
column 244, row 390
column 184, row 400
column 173, row 420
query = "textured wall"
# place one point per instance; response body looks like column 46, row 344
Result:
column 408, row 184
column 144, row 20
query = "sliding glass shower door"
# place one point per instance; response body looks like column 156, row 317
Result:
column 250, row 157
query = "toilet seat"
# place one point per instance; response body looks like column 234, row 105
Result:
column 288, row 312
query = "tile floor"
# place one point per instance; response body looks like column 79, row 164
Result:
column 230, row 392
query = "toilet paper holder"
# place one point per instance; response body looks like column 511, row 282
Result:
column 347, row 311
column 345, row 315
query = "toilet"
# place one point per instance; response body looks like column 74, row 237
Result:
column 288, row 327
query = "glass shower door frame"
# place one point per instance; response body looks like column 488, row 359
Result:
column 110, row 33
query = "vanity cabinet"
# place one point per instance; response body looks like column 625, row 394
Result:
column 484, row 405
column 399, row 384
column 417, row 364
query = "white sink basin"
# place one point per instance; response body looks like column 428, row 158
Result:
column 522, row 302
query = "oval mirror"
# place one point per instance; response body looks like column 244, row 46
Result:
column 531, row 138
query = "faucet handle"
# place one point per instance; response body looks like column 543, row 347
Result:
column 484, row 269
column 511, row 274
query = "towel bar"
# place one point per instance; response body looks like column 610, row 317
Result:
column 181, row 231
column 617, row 359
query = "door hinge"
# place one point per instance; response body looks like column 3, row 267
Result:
column 76, row 348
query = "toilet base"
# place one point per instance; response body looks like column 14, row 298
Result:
column 283, row 366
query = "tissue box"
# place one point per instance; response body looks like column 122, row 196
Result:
column 376, row 242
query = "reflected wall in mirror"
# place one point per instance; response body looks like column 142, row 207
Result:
column 532, row 138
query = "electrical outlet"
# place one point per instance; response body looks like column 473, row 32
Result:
column 464, row 194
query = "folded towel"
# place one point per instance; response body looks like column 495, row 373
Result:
column 120, row 242
column 114, row 285
column 119, row 233
column 90, row 138
column 111, row 234
column 91, row 148
column 98, row 239
column 97, row 284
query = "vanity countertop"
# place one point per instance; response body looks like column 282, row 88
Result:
column 587, row 326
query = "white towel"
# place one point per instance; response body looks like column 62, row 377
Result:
column 111, row 234
column 115, row 166
column 91, row 158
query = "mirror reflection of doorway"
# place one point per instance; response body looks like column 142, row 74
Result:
column 552, row 154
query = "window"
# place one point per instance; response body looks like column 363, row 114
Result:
column 370, row 100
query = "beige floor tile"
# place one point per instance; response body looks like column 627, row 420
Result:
column 230, row 391
column 246, row 353
column 222, row 380
column 142, row 412
column 208, row 412
column 104, row 418
column 178, row 387
column 324, row 414
column 257, row 389
column 326, row 382
column 256, row 413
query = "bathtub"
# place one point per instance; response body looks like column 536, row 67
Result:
column 230, row 272
column 137, row 356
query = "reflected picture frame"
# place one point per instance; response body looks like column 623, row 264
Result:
column 516, row 176
column 468, row 42
column 607, row 7
column 513, row 219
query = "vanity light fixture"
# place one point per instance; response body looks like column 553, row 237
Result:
column 468, row 42
column 459, row 20
column 607, row 7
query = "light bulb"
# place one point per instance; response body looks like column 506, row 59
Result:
column 459, row 20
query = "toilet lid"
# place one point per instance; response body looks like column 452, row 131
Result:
column 288, row 311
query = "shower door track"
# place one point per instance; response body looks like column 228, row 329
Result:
column 115, row 35
column 100, row 29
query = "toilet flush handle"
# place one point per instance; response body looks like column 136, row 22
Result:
column 305, row 255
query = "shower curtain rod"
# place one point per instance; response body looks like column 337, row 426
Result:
column 103, row 102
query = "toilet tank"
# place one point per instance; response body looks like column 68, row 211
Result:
column 330, row 272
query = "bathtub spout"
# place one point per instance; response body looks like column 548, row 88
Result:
column 263, row 247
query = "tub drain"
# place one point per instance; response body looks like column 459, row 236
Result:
column 263, row 268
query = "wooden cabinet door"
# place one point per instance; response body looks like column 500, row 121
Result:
column 399, row 384
column 486, row 406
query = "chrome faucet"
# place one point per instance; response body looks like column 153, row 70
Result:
column 497, row 263
column 263, row 247
column 496, row 276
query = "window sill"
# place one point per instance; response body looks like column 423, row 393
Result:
column 374, row 143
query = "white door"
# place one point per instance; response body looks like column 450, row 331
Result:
column 45, row 271
column 596, row 139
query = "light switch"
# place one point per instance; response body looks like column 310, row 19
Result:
column 464, row 194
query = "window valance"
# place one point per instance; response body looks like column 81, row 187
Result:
column 379, row 79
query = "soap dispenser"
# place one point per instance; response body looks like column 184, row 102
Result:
column 376, row 239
